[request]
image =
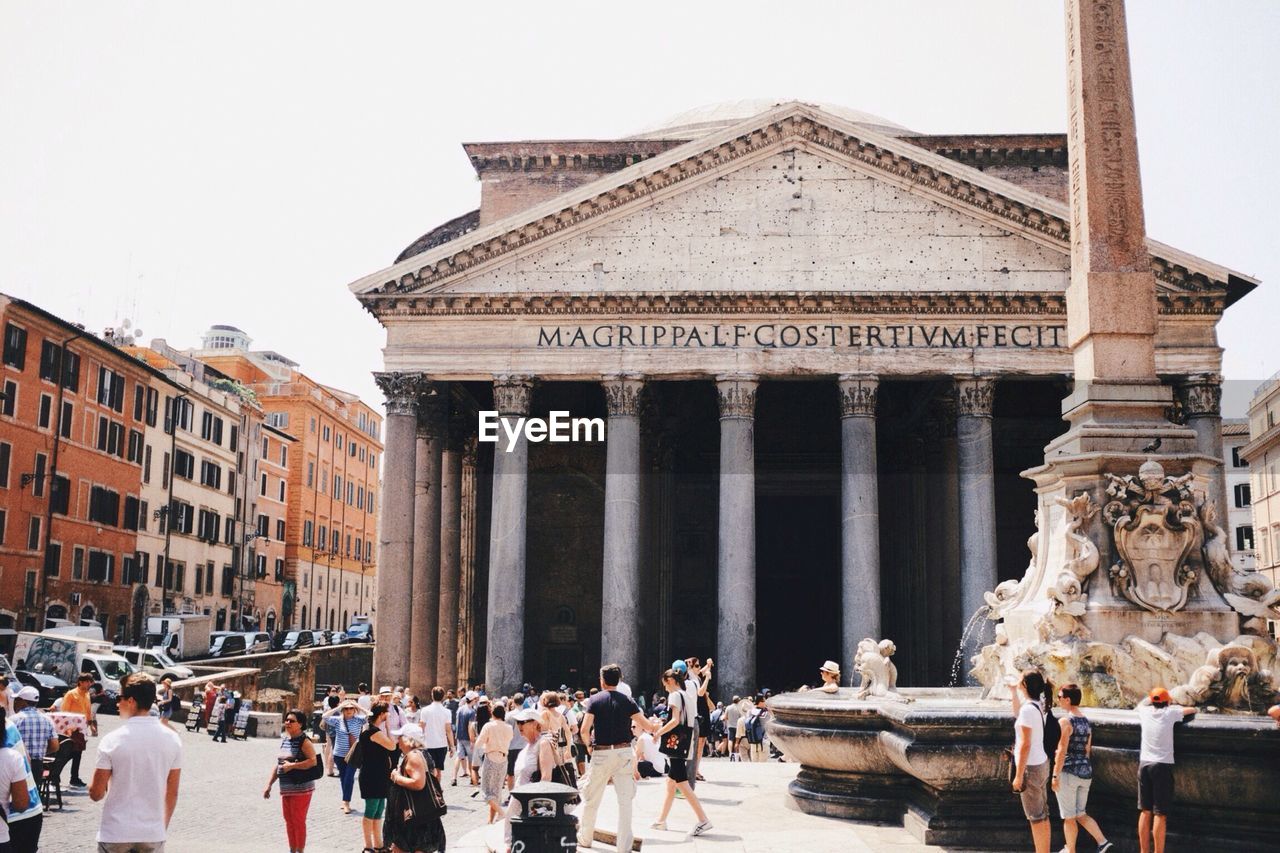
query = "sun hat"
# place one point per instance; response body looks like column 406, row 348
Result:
column 28, row 693
column 831, row 667
column 412, row 731
column 525, row 715
column 348, row 703
column 386, row 688
column 471, row 696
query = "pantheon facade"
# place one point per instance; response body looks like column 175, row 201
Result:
column 824, row 346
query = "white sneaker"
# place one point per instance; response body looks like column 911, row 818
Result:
column 659, row 825
column 702, row 827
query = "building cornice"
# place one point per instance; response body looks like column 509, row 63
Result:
column 666, row 303
column 992, row 199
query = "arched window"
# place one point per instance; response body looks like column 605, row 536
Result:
column 331, row 618
column 86, row 614
column 122, row 628
column 345, row 621
column 271, row 621
column 304, row 618
column 58, row 611
column 319, row 621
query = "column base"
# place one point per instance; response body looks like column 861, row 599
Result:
column 852, row 796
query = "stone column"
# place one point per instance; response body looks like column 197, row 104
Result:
column 975, row 464
column 620, row 638
column 467, row 565
column 426, row 543
column 1200, row 397
column 504, row 660
column 736, row 626
column 395, row 557
column 859, row 517
column 450, row 621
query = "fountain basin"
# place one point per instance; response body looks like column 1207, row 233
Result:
column 935, row 765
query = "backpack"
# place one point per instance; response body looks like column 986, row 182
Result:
column 755, row 727
column 1052, row 734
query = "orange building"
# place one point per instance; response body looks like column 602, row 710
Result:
column 75, row 410
column 332, row 502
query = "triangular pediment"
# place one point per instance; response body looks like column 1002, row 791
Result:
column 794, row 199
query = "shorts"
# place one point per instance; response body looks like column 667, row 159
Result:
column 1155, row 788
column 130, row 847
column 1073, row 795
column 437, row 757
column 464, row 750
column 677, row 769
column 1035, row 792
column 374, row 809
column 512, row 755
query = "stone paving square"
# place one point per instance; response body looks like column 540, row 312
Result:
column 220, row 809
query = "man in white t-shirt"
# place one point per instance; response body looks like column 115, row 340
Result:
column 437, row 722
column 139, row 765
column 1157, row 716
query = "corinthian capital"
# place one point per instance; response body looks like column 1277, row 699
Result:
column 1201, row 396
column 737, row 396
column 402, row 390
column 858, row 396
column 974, row 397
column 622, row 396
column 511, row 394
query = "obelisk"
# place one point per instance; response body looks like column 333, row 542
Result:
column 1119, row 402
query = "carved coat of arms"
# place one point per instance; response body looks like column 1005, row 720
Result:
column 1156, row 530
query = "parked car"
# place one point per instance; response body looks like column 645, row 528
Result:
column 297, row 640
column 257, row 641
column 319, row 638
column 337, row 638
column 360, row 632
column 227, row 645
column 51, row 687
column 154, row 662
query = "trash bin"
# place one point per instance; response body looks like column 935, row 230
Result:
column 544, row 824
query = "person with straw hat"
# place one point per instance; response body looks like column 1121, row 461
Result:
column 830, row 673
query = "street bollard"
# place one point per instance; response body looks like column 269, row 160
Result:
column 544, row 824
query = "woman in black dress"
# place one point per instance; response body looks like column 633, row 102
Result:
column 377, row 757
column 427, row 836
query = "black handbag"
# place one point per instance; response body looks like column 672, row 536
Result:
column 677, row 742
column 416, row 808
column 307, row 774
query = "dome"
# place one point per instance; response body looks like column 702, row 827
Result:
column 700, row 121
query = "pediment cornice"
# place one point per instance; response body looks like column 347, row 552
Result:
column 962, row 187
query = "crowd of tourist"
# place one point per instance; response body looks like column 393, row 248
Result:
column 398, row 750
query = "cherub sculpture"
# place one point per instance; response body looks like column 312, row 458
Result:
column 1063, row 622
column 879, row 675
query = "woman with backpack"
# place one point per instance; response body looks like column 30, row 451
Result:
column 375, row 756
column 297, row 768
column 1031, row 698
column 1073, row 771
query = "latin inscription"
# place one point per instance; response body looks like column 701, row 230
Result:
column 806, row 335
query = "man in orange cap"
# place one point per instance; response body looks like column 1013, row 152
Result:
column 1157, row 715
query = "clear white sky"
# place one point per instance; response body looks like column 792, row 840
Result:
column 189, row 163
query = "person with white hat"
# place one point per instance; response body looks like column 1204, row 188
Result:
column 35, row 727
column 830, row 672
column 462, row 764
column 395, row 714
column 425, row 835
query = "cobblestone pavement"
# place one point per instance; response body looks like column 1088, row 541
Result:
column 221, row 810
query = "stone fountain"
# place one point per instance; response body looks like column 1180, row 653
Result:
column 1130, row 583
